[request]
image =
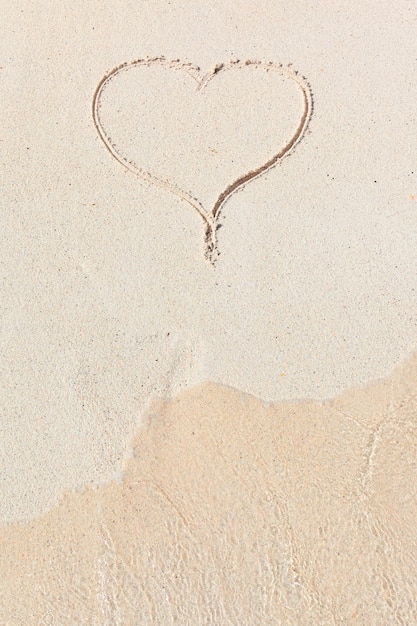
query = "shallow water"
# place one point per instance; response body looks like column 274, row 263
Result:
column 236, row 511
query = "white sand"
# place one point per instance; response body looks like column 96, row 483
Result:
column 232, row 510
column 106, row 297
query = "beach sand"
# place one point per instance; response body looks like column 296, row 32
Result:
column 208, row 226
column 236, row 511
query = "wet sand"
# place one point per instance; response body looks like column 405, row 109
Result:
column 236, row 511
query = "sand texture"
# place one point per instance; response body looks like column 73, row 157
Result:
column 233, row 511
column 106, row 297
column 216, row 127
column 208, row 231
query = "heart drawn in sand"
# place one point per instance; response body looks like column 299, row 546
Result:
column 201, row 136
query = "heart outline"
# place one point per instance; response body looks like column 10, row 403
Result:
column 211, row 218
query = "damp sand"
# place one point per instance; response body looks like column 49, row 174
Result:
column 236, row 511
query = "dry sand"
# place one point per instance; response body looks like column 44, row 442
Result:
column 106, row 297
column 292, row 126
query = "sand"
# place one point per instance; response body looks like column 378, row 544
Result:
column 235, row 511
column 213, row 205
